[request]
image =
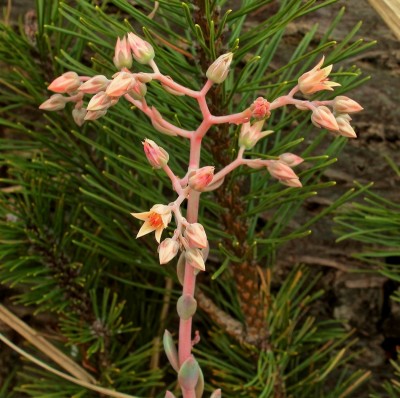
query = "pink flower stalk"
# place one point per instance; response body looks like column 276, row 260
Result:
column 94, row 85
column 316, row 79
column 345, row 128
column 68, row 82
column 156, row 155
column 123, row 56
column 157, row 219
column 219, row 69
column 200, row 178
column 167, row 250
column 190, row 235
column 250, row 134
column 142, row 51
column 322, row 117
column 260, row 108
column 196, row 236
column 120, row 85
column 342, row 104
column 55, row 103
column 99, row 102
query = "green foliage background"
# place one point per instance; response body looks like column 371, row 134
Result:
column 68, row 242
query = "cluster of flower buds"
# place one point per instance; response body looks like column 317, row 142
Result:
column 337, row 121
column 106, row 92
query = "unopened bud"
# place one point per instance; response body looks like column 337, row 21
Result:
column 142, row 51
column 194, row 257
column 79, row 116
column 138, row 90
column 167, row 250
column 342, row 104
column 94, row 85
column 156, row 155
column 66, row 83
column 196, row 236
column 345, row 128
column 219, row 69
column 280, row 170
column 260, row 108
column 200, row 178
column 290, row 159
column 99, row 102
column 120, row 85
column 323, row 117
column 123, row 56
column 55, row 103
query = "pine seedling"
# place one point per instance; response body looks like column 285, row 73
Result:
column 190, row 237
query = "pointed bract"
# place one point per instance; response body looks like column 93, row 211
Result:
column 194, row 257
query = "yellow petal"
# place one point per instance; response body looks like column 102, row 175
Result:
column 145, row 229
column 141, row 216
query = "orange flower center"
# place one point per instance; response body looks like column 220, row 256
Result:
column 155, row 220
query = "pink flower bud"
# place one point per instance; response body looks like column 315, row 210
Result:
column 94, row 85
column 345, row 128
column 316, row 79
column 260, row 108
column 123, row 56
column 290, row 159
column 342, row 104
column 55, row 103
column 200, row 178
column 251, row 134
column 120, row 85
column 169, row 394
column 219, row 69
column 143, row 51
column 79, row 116
column 138, row 90
column 167, row 250
column 194, row 257
column 99, row 102
column 156, row 155
column 280, row 170
column 94, row 115
column 323, row 117
column 196, row 236
column 66, row 83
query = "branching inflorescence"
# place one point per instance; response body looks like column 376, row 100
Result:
column 189, row 236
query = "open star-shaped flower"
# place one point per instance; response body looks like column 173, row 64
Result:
column 157, row 219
